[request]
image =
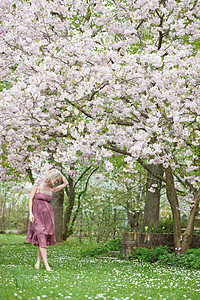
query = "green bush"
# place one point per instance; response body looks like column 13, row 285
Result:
column 162, row 255
column 165, row 225
column 93, row 251
column 190, row 259
column 167, row 259
column 196, row 252
column 113, row 245
column 148, row 255
column 98, row 250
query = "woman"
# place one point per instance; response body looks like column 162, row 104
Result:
column 41, row 217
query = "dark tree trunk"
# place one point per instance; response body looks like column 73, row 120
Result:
column 152, row 202
column 57, row 206
column 134, row 218
column 190, row 224
column 67, row 230
column 173, row 200
column 70, row 220
column 3, row 218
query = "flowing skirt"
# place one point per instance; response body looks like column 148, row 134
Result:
column 41, row 232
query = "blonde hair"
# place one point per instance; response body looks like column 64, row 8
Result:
column 53, row 173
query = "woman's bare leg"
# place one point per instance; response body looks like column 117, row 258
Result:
column 43, row 252
column 37, row 265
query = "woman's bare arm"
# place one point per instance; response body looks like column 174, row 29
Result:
column 32, row 194
column 61, row 186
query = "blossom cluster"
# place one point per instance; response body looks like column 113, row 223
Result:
column 88, row 77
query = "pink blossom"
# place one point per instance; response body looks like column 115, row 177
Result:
column 109, row 166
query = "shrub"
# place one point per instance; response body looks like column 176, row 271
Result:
column 148, row 255
column 165, row 225
column 190, row 259
column 113, row 245
column 95, row 251
column 196, row 252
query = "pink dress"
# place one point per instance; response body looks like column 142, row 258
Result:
column 41, row 232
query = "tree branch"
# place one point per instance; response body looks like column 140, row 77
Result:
column 79, row 197
column 150, row 171
column 140, row 24
column 81, row 176
column 30, row 175
column 141, row 162
column 183, row 174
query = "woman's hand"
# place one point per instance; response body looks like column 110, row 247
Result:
column 61, row 186
column 31, row 217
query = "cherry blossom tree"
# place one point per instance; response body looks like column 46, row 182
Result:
column 96, row 77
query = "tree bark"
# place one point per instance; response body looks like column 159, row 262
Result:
column 134, row 218
column 152, row 202
column 3, row 218
column 57, row 206
column 190, row 224
column 173, row 200
column 68, row 212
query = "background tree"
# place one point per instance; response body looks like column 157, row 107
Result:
column 75, row 197
column 13, row 207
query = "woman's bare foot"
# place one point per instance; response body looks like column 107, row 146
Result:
column 37, row 266
column 48, row 268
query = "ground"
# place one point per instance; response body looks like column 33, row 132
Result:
column 77, row 277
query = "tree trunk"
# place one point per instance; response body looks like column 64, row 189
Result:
column 173, row 200
column 3, row 218
column 68, row 212
column 152, row 202
column 134, row 218
column 57, row 206
column 190, row 224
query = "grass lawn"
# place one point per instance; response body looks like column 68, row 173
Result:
column 75, row 277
